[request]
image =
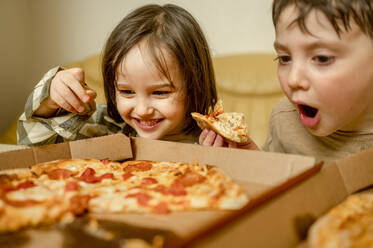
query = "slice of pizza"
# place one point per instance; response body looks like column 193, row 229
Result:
column 27, row 201
column 348, row 224
column 231, row 125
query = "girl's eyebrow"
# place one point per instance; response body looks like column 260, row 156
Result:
column 155, row 85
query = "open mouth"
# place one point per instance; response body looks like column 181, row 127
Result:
column 308, row 110
column 309, row 116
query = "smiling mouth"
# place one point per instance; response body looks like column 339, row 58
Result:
column 148, row 124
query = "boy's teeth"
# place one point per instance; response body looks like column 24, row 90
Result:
column 148, row 122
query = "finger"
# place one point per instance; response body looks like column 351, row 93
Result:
column 249, row 146
column 77, row 87
column 62, row 103
column 203, row 136
column 219, row 141
column 91, row 93
column 78, row 74
column 232, row 144
column 210, row 138
column 69, row 97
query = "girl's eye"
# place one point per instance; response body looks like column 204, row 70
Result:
column 161, row 92
column 126, row 92
column 284, row 59
column 321, row 59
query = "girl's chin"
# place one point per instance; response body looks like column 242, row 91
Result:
column 149, row 135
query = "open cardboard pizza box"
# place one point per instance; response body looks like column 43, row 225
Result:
column 263, row 176
column 283, row 221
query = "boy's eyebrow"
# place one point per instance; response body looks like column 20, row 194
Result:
column 277, row 45
column 309, row 46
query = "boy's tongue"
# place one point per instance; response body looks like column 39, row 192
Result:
column 308, row 116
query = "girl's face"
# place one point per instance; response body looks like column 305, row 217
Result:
column 145, row 98
column 329, row 78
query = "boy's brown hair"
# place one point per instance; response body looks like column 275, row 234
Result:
column 173, row 28
column 338, row 12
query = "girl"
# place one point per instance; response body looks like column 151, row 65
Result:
column 157, row 69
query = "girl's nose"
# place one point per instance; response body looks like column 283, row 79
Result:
column 144, row 108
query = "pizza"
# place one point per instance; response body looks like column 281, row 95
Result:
column 230, row 125
column 349, row 224
column 64, row 189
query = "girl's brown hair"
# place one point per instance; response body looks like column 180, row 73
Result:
column 338, row 12
column 168, row 27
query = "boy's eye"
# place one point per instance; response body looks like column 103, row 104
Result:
column 283, row 59
column 321, row 59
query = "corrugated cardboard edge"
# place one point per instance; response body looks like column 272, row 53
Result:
column 357, row 170
column 117, row 148
column 290, row 166
column 270, row 194
column 274, row 223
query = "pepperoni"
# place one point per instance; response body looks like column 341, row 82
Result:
column 88, row 176
column 142, row 198
column 71, row 186
column 142, row 166
column 105, row 161
column 161, row 208
column 26, row 184
column 79, row 203
column 148, row 181
column 177, row 189
column 125, row 176
column 161, row 189
column 58, row 174
column 107, row 176
column 23, row 185
column 191, row 178
column 89, row 172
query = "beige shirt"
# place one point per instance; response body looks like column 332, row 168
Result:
column 287, row 135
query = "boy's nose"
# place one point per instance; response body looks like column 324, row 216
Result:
column 297, row 77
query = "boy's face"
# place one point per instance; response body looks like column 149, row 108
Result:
column 328, row 78
column 146, row 99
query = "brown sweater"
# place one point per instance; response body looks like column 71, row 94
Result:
column 287, row 135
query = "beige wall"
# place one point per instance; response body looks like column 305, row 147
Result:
column 39, row 34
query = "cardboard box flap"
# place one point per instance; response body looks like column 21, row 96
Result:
column 114, row 147
column 357, row 171
column 264, row 168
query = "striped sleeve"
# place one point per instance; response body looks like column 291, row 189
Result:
column 65, row 126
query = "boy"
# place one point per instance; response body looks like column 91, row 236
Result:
column 325, row 56
column 325, row 68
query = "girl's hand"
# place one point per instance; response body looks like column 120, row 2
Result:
column 67, row 91
column 210, row 138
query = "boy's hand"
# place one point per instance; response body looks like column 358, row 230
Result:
column 210, row 138
column 67, row 91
